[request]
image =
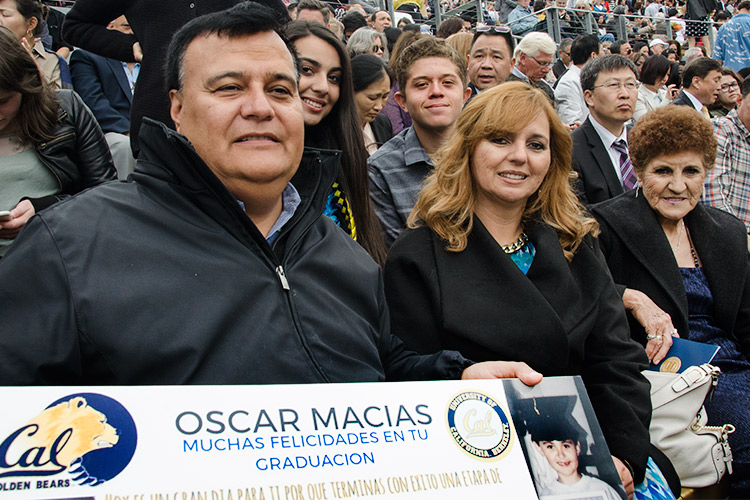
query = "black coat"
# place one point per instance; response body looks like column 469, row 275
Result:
column 382, row 129
column 562, row 318
column 682, row 100
column 597, row 180
column 640, row 257
column 163, row 279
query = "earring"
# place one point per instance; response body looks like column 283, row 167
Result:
column 637, row 188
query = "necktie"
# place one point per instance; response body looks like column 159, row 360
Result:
column 627, row 174
column 706, row 113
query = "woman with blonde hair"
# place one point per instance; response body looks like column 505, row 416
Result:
column 500, row 261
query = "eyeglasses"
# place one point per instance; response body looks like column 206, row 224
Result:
column 542, row 64
column 497, row 28
column 377, row 48
column 729, row 86
column 629, row 85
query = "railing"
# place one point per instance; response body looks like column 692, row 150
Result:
column 586, row 20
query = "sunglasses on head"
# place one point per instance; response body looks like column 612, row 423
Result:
column 497, row 28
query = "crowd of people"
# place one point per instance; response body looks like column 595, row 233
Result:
column 319, row 193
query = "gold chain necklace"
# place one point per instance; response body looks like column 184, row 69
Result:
column 516, row 245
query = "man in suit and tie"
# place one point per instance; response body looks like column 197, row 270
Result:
column 600, row 154
column 701, row 80
column 106, row 86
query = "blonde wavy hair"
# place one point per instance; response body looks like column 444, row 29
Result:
column 447, row 200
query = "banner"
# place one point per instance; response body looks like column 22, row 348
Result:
column 436, row 440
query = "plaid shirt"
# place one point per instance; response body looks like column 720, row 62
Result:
column 396, row 173
column 727, row 185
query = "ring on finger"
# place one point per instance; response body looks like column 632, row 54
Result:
column 650, row 337
column 674, row 332
column 659, row 338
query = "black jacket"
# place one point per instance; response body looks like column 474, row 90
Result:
column 597, row 180
column 639, row 257
column 77, row 154
column 562, row 318
column 163, row 279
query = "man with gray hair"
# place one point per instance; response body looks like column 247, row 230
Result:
column 533, row 60
column 600, row 144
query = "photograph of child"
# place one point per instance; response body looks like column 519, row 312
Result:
column 559, row 443
column 563, row 444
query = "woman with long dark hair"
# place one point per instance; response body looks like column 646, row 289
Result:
column 50, row 144
column 331, row 121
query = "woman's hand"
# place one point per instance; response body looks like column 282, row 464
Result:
column 625, row 476
column 657, row 323
column 502, row 369
column 10, row 228
column 672, row 91
column 137, row 52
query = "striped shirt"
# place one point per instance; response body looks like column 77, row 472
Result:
column 727, row 185
column 396, row 173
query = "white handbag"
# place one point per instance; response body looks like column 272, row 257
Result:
column 700, row 453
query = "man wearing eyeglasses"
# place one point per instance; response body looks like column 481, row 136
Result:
column 727, row 185
column 533, row 60
column 600, row 155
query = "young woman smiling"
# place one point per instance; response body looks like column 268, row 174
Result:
column 332, row 122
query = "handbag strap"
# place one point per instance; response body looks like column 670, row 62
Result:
column 692, row 378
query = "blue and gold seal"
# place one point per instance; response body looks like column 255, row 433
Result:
column 479, row 425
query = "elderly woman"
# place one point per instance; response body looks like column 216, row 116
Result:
column 368, row 41
column 500, row 261
column 50, row 144
column 683, row 267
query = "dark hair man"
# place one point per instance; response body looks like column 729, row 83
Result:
column 380, row 20
column 490, row 59
column 432, row 89
column 205, row 268
column 600, row 156
column 569, row 101
column 701, row 80
column 314, row 11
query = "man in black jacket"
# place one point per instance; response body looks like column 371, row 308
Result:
column 213, row 264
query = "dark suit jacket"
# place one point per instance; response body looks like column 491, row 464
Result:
column 103, row 86
column 544, row 87
column 597, row 179
column 639, row 257
column 682, row 100
column 382, row 129
column 562, row 318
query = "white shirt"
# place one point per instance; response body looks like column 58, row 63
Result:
column 648, row 100
column 696, row 103
column 587, row 484
column 608, row 139
column 569, row 97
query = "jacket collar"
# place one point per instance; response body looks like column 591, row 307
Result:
column 722, row 252
column 167, row 156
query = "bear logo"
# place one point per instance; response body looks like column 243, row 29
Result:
column 90, row 435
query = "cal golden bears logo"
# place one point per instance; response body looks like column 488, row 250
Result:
column 479, row 425
column 91, row 436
